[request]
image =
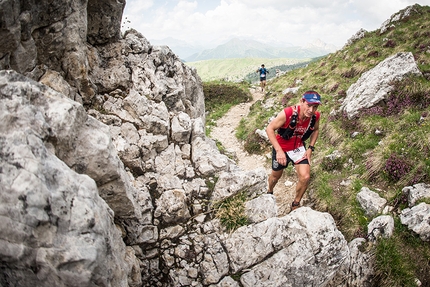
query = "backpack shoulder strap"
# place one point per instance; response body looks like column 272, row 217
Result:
column 310, row 128
column 288, row 131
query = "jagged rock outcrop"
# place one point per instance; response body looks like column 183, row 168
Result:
column 397, row 17
column 417, row 219
column 45, row 36
column 47, row 126
column 358, row 269
column 357, row 36
column 44, row 138
column 416, row 192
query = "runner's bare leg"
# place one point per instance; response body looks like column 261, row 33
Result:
column 304, row 175
column 273, row 179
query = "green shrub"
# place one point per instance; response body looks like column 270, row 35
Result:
column 330, row 163
column 219, row 93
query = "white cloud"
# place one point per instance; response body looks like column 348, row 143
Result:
column 135, row 7
column 297, row 22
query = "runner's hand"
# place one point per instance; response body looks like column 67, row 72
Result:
column 309, row 155
column 281, row 158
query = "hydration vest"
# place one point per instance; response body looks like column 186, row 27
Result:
column 288, row 132
column 263, row 72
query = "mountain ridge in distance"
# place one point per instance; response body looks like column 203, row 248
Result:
column 242, row 48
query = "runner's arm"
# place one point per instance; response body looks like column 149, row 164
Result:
column 275, row 124
column 314, row 136
column 312, row 140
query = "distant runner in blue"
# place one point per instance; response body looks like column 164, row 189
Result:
column 263, row 72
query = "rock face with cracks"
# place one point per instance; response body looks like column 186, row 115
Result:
column 73, row 212
column 107, row 177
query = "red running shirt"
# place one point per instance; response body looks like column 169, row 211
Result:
column 296, row 140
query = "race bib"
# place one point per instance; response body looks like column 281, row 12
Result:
column 263, row 75
column 298, row 154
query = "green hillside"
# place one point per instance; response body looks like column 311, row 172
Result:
column 385, row 162
column 237, row 69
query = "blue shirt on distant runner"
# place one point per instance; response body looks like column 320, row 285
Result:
column 263, row 71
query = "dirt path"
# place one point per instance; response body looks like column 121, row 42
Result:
column 225, row 131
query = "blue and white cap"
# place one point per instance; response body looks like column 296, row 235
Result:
column 312, row 97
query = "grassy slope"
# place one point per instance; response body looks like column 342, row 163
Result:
column 236, row 69
column 385, row 163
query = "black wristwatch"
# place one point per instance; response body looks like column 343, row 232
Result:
column 311, row 147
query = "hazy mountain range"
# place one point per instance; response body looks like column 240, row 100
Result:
column 243, row 48
column 179, row 47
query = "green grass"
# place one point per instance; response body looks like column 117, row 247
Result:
column 361, row 144
column 402, row 258
column 392, row 266
column 324, row 189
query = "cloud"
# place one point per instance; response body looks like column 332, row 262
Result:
column 296, row 22
column 135, row 7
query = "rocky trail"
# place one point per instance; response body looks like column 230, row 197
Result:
column 224, row 132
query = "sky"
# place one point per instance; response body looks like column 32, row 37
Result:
column 209, row 23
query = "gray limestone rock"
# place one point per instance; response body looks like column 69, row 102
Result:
column 374, row 85
column 417, row 219
column 381, row 226
column 417, row 192
column 55, row 230
column 371, row 202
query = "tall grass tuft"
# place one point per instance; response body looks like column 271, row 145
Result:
column 393, row 269
column 231, row 211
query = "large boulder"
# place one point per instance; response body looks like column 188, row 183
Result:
column 303, row 248
column 55, row 228
column 374, row 85
column 300, row 249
